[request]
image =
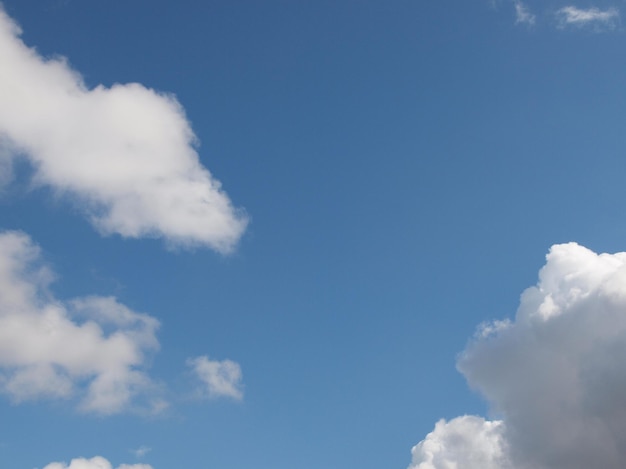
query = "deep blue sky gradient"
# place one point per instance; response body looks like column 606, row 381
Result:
column 406, row 165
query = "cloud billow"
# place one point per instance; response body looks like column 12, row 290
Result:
column 467, row 442
column 125, row 154
column 92, row 349
column 555, row 376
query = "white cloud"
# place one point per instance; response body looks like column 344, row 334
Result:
column 93, row 348
column 125, row 154
column 555, row 376
column 594, row 17
column 474, row 441
column 523, row 15
column 94, row 463
column 218, row 378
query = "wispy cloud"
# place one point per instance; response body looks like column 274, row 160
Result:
column 93, row 348
column 590, row 17
column 523, row 15
column 141, row 451
column 126, row 155
column 554, row 376
column 217, row 378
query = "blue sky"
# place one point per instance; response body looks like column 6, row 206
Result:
column 384, row 178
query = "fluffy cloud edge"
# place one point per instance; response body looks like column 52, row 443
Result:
column 97, row 462
column 553, row 375
column 125, row 155
column 91, row 349
column 477, row 442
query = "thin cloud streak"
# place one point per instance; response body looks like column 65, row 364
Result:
column 594, row 17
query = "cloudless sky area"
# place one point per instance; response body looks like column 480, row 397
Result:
column 405, row 167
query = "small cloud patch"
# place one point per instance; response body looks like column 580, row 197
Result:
column 217, row 378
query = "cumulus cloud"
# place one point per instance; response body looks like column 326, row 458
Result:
column 94, row 463
column 523, row 15
column 478, row 443
column 594, row 17
column 124, row 154
column 92, row 348
column 218, row 378
column 555, row 375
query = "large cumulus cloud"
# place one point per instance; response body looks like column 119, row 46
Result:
column 125, row 154
column 555, row 375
